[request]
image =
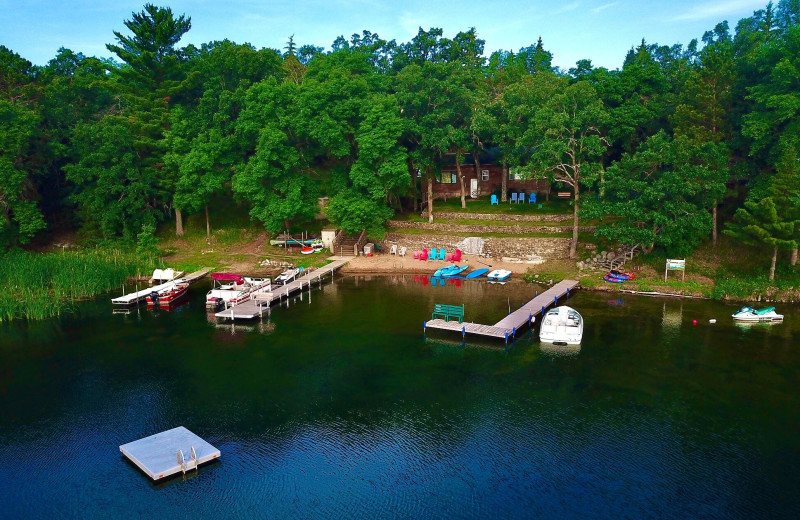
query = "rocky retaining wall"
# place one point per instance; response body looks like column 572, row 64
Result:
column 500, row 216
column 494, row 247
column 480, row 230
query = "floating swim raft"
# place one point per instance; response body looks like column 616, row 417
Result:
column 170, row 452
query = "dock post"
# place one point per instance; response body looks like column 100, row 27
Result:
column 424, row 326
column 542, row 310
column 463, row 331
column 555, row 300
column 567, row 292
column 506, row 337
column 514, row 332
column 530, row 317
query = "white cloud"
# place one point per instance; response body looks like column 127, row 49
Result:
column 568, row 7
column 603, row 7
column 719, row 9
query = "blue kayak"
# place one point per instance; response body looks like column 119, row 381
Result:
column 450, row 270
column 477, row 273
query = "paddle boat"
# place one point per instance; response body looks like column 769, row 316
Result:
column 499, row 275
column 561, row 325
column 750, row 314
column 450, row 270
column 315, row 247
column 231, row 289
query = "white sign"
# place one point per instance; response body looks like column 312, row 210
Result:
column 673, row 264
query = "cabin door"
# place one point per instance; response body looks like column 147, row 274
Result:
column 473, row 188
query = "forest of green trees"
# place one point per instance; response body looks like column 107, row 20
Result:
column 654, row 150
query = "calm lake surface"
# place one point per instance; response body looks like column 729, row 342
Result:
column 339, row 407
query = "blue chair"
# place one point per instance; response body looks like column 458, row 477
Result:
column 494, row 199
column 513, row 197
column 441, row 254
column 532, row 198
column 520, row 197
column 432, row 254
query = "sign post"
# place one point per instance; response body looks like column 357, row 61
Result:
column 675, row 264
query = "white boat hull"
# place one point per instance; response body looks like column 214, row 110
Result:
column 561, row 326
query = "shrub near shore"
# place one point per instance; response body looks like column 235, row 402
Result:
column 38, row 286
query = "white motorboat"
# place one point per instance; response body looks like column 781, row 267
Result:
column 499, row 275
column 561, row 325
column 287, row 276
column 232, row 289
column 748, row 313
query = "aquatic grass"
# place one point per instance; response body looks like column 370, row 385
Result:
column 38, row 286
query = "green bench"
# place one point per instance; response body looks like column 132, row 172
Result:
column 448, row 311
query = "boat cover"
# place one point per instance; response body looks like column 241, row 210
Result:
column 227, row 277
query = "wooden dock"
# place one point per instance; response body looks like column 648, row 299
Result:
column 170, row 452
column 508, row 327
column 139, row 296
column 252, row 309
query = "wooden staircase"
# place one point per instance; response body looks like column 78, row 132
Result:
column 619, row 260
column 348, row 246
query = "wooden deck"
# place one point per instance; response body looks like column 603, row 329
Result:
column 507, row 328
column 157, row 455
column 139, row 296
column 252, row 309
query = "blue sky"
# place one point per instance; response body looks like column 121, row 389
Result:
column 600, row 30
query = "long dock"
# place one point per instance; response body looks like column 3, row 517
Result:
column 507, row 328
column 139, row 296
column 252, row 309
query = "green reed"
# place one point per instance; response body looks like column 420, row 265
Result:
column 38, row 286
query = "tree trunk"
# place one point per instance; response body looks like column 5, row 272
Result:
column 794, row 256
column 504, row 182
column 573, row 246
column 208, row 224
column 461, row 180
column 602, row 190
column 714, row 224
column 478, row 174
column 774, row 261
column 178, row 222
column 430, row 199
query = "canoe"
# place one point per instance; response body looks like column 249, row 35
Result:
column 476, row 273
column 613, row 279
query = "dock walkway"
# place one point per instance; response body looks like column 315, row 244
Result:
column 139, row 296
column 508, row 326
column 255, row 308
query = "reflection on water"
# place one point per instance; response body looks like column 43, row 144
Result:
column 553, row 349
column 338, row 406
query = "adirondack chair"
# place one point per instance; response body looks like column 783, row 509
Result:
column 513, row 198
column 455, row 257
column 520, row 197
column 393, row 250
column 441, row 254
column 432, row 254
column 494, row 199
column 416, row 255
column 402, row 251
column 532, row 198
column 423, row 255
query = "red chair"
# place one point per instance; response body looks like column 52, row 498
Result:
column 424, row 255
column 416, row 255
column 455, row 257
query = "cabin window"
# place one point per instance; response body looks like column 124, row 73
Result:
column 484, row 175
column 448, row 177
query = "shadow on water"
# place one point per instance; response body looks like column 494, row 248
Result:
column 337, row 404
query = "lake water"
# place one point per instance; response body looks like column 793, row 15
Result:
column 338, row 406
